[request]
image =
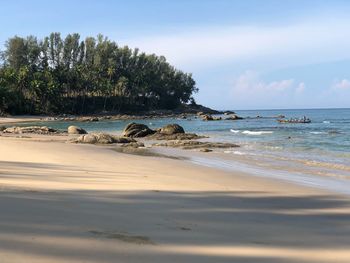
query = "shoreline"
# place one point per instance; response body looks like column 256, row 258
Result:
column 223, row 161
column 65, row 202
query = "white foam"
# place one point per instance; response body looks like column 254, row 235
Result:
column 235, row 152
column 316, row 132
column 326, row 122
column 257, row 132
column 234, row 131
column 238, row 153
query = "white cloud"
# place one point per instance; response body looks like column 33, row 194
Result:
column 309, row 41
column 343, row 84
column 301, row 88
column 255, row 92
column 251, row 83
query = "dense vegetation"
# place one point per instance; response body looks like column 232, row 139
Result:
column 56, row 75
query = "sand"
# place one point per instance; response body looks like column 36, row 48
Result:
column 62, row 202
column 18, row 119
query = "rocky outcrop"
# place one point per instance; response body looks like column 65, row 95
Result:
column 137, row 130
column 173, row 132
column 171, row 129
column 188, row 145
column 2, row 128
column 102, row 138
column 233, row 117
column 208, row 117
column 31, row 129
column 76, row 130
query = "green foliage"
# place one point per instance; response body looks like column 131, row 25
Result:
column 56, row 75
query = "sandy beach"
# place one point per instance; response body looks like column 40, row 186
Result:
column 18, row 119
column 63, row 202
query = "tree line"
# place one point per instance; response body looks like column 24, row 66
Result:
column 70, row 75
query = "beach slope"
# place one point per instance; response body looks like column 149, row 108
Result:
column 63, row 202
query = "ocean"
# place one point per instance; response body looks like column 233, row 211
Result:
column 316, row 150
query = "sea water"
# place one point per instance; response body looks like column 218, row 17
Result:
column 320, row 148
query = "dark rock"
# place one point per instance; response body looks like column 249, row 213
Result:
column 171, row 129
column 136, row 130
column 206, row 150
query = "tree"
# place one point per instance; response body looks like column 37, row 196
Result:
column 55, row 75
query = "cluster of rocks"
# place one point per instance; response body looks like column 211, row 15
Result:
column 104, row 138
column 31, row 129
column 208, row 117
column 173, row 133
column 168, row 132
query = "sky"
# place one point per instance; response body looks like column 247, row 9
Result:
column 248, row 54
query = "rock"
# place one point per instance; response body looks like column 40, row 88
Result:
column 228, row 112
column 136, row 130
column 2, row 128
column 188, row 145
column 171, row 129
column 206, row 150
column 31, row 129
column 76, row 130
column 208, row 117
column 233, row 117
column 123, row 140
column 102, row 138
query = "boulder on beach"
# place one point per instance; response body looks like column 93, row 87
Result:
column 2, row 128
column 102, row 138
column 136, row 130
column 171, row 129
column 75, row 130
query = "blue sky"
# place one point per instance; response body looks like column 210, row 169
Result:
column 243, row 54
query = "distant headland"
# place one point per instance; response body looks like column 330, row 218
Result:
column 56, row 75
